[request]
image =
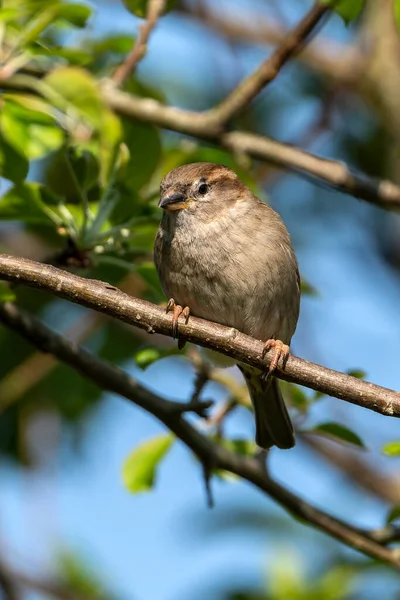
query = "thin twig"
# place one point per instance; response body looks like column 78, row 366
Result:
column 208, row 452
column 248, row 89
column 154, row 10
column 107, row 299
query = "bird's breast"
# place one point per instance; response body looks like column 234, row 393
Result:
column 226, row 277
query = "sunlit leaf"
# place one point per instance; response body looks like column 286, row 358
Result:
column 339, row 432
column 396, row 7
column 32, row 133
column 140, row 467
column 75, row 87
column 392, row 449
column 147, row 356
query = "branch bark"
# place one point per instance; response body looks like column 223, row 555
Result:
column 107, row 299
column 204, row 125
column 211, row 455
column 334, row 173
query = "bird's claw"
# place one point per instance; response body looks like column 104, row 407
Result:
column 281, row 351
column 177, row 311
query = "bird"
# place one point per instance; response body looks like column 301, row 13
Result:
column 224, row 255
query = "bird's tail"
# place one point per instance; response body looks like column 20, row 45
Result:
column 273, row 424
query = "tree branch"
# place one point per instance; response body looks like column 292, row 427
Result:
column 248, row 89
column 336, row 174
column 107, row 299
column 211, row 455
column 123, row 71
column 203, row 125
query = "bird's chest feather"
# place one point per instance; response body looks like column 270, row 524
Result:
column 226, row 276
column 195, row 269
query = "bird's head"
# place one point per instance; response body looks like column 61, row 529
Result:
column 202, row 190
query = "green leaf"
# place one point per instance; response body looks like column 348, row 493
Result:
column 240, row 446
column 75, row 87
column 139, row 7
column 347, row 9
column 143, row 141
column 79, row 577
column 75, row 14
column 13, row 165
column 358, row 373
column 140, row 467
column 6, row 293
column 340, row 432
column 391, row 449
column 307, row 288
column 394, row 514
column 397, row 13
column 32, row 133
column 297, row 397
column 25, row 202
column 147, row 356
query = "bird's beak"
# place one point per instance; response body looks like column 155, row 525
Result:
column 174, row 202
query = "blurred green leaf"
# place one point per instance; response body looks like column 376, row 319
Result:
column 144, row 145
column 347, row 9
column 6, row 292
column 140, row 467
column 358, row 373
column 240, row 446
column 26, row 202
column 147, row 356
column 391, row 449
column 139, row 7
column 307, row 288
column 75, row 14
column 13, row 165
column 79, row 577
column 75, row 87
column 394, row 514
column 397, row 12
column 339, row 432
column 296, row 395
column 32, row 133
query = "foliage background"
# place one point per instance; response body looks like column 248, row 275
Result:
column 63, row 506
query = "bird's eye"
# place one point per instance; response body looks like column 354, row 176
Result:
column 203, row 189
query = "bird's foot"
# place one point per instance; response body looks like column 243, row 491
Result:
column 177, row 311
column 281, row 351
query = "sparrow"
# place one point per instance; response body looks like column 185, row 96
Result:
column 225, row 256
